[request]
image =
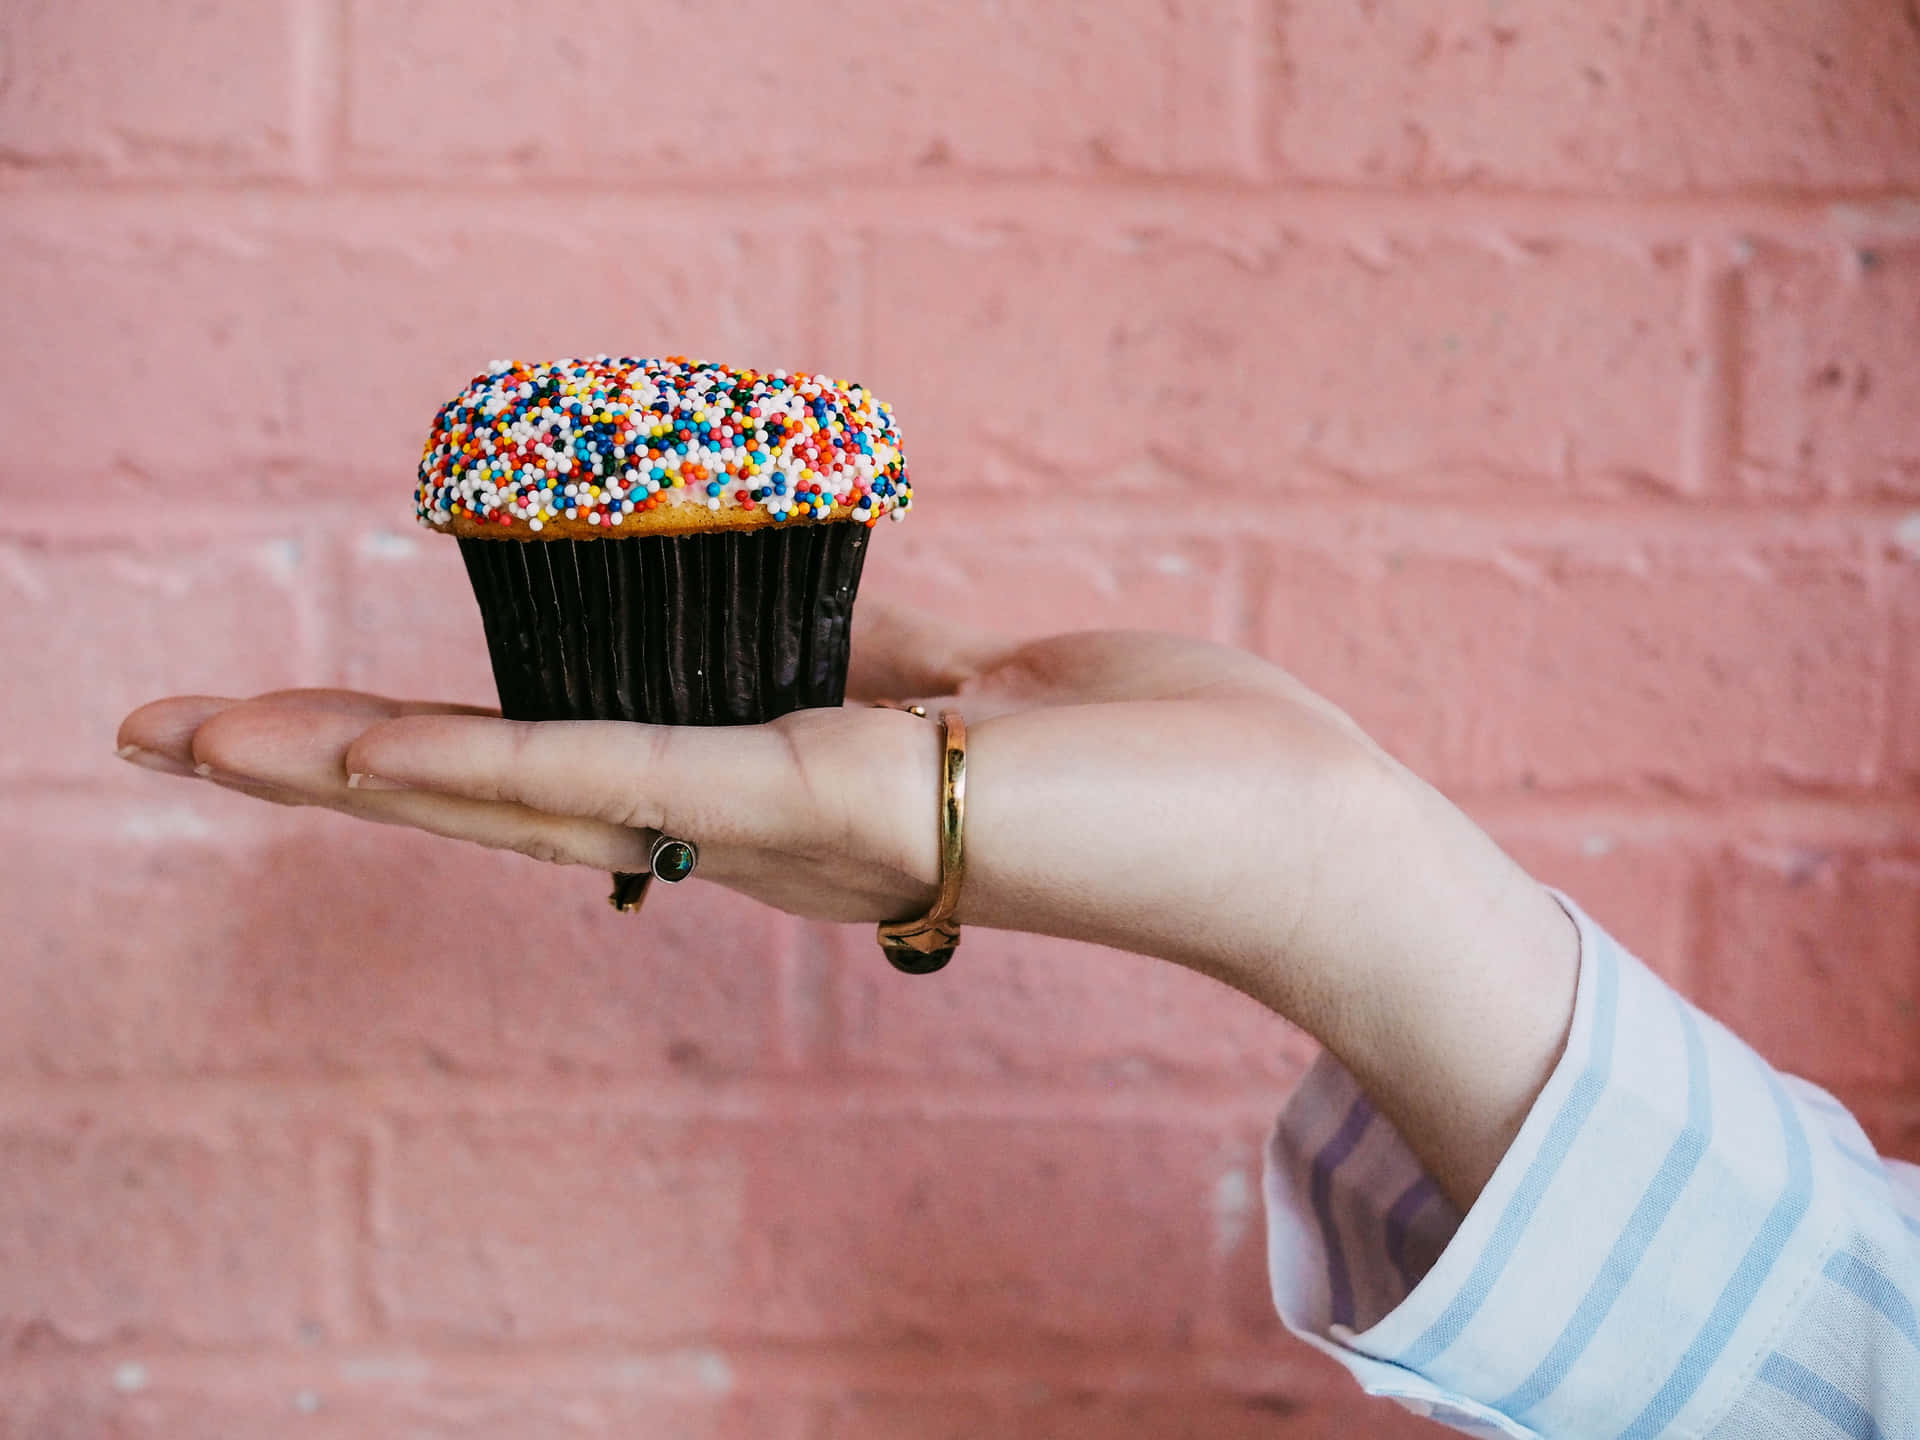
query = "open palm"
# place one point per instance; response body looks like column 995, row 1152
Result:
column 1143, row 791
column 1119, row 779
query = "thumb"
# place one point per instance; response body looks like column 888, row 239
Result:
column 900, row 652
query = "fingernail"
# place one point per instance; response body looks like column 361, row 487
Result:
column 151, row 760
column 223, row 777
column 360, row 780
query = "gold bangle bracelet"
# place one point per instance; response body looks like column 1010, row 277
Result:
column 922, row 946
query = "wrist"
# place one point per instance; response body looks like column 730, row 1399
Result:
column 1453, row 983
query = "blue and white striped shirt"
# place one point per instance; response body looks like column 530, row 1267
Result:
column 1681, row 1241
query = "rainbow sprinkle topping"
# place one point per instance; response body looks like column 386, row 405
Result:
column 601, row 441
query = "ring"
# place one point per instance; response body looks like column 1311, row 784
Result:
column 629, row 890
column 672, row 861
column 922, row 946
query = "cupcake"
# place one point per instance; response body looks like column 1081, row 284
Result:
column 668, row 541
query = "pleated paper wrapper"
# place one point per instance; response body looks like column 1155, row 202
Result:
column 724, row 628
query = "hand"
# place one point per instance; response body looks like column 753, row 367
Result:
column 1151, row 793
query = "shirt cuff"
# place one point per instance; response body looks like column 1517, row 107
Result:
column 1651, row 1225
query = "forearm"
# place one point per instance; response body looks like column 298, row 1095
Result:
column 1450, row 977
column 1302, row 866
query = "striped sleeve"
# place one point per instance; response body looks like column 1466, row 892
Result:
column 1681, row 1241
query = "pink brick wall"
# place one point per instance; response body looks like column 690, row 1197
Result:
column 1541, row 382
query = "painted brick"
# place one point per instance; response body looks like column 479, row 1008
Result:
column 1686, row 95
column 1281, row 363
column 580, row 991
column 1637, row 887
column 264, row 343
column 1029, row 584
column 1892, row 1123
column 410, row 625
column 1830, row 372
column 540, row 1227
column 325, row 338
column 1037, row 1006
column 1903, row 709
column 221, row 616
column 985, row 1229
column 146, row 89
column 1813, row 961
column 1552, row 669
column 320, row 1408
column 1334, row 1415
column 271, row 941
column 873, row 1227
column 109, row 1233
column 187, row 328
column 1089, row 85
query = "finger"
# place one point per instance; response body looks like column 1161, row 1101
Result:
column 837, row 778
column 159, row 736
column 300, row 748
column 359, row 702
column 654, row 776
column 899, row 652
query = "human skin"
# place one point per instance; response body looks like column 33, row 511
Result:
column 1154, row 794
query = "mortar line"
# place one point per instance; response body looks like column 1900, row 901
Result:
column 1290, row 520
column 364, row 1103
column 340, row 1164
column 1194, row 207
column 318, row 85
column 1249, row 87
column 1713, row 402
column 683, row 1367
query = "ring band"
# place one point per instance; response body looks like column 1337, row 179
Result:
column 672, row 861
column 629, row 890
column 923, row 945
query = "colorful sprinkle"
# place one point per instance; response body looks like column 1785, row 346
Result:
column 604, row 439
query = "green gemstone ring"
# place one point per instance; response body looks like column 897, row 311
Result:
column 672, row 860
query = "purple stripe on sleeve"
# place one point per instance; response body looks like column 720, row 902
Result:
column 1399, row 1217
column 1332, row 1155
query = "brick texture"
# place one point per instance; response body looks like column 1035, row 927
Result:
column 1892, row 1125
column 1097, row 1417
column 1052, row 1008
column 1810, row 944
column 109, row 1232
column 338, row 950
column 1537, row 382
column 1175, row 366
column 1637, row 884
column 1903, row 736
column 1588, row 670
column 404, row 629
column 539, row 1227
column 328, row 341
column 1830, row 381
column 500, row 89
column 147, row 90
column 1672, row 96
column 1024, row 583
column 318, row 1406
column 532, row 1227
column 220, row 615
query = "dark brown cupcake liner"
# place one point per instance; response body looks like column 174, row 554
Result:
column 731, row 627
